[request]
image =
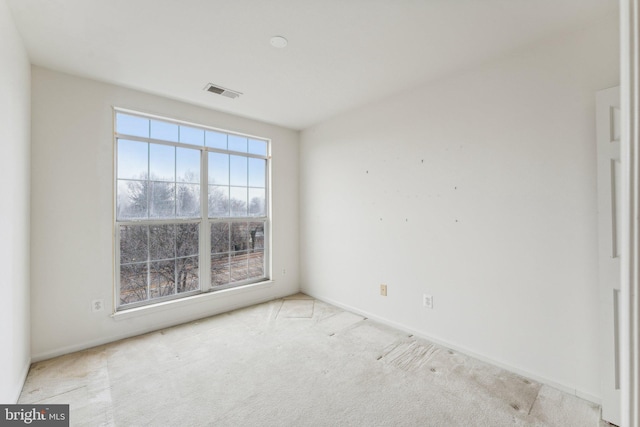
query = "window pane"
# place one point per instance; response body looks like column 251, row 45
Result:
column 133, row 283
column 133, row 159
column 162, row 278
column 187, row 278
column 132, row 199
column 218, row 169
column 239, row 236
column 258, row 147
column 257, row 177
column 219, row 237
column 188, row 200
column 162, row 202
column 219, row 270
column 218, row 201
column 162, row 242
column 256, row 250
column 238, row 203
column 238, row 143
column 187, row 238
column 162, row 162
column 216, row 140
column 188, row 165
column 238, row 166
column 256, row 236
column 132, row 125
column 133, row 243
column 257, row 202
column 190, row 135
column 239, row 266
column 256, row 264
column 164, row 131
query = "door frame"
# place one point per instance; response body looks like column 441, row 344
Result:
column 609, row 230
column 630, row 248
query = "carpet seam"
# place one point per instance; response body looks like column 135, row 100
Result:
column 59, row 394
column 279, row 308
column 534, row 401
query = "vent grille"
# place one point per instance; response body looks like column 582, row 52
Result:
column 219, row 90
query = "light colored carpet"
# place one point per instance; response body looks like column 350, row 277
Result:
column 293, row 362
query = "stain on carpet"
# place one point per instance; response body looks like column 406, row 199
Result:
column 409, row 356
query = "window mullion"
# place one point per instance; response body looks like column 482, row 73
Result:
column 205, row 234
column 246, row 192
column 116, row 301
column 175, row 180
column 148, row 263
column 149, row 190
column 175, row 253
column 266, row 263
column 148, row 181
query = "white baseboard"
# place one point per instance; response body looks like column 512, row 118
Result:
column 541, row 379
column 38, row 357
column 461, row 349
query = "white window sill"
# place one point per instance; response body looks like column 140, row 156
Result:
column 188, row 301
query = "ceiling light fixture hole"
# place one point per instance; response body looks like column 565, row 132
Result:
column 278, row 41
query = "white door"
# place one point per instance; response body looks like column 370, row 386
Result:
column 609, row 210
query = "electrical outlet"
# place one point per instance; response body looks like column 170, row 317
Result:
column 284, row 271
column 427, row 301
column 383, row 290
column 97, row 305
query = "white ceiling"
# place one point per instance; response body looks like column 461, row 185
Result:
column 341, row 53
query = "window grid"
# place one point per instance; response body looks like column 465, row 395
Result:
column 246, row 263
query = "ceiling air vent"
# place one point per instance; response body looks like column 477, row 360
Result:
column 222, row 91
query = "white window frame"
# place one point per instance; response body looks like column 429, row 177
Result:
column 205, row 222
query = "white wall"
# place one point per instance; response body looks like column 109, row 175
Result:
column 72, row 205
column 479, row 189
column 14, row 211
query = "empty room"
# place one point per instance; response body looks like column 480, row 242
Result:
column 322, row 213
